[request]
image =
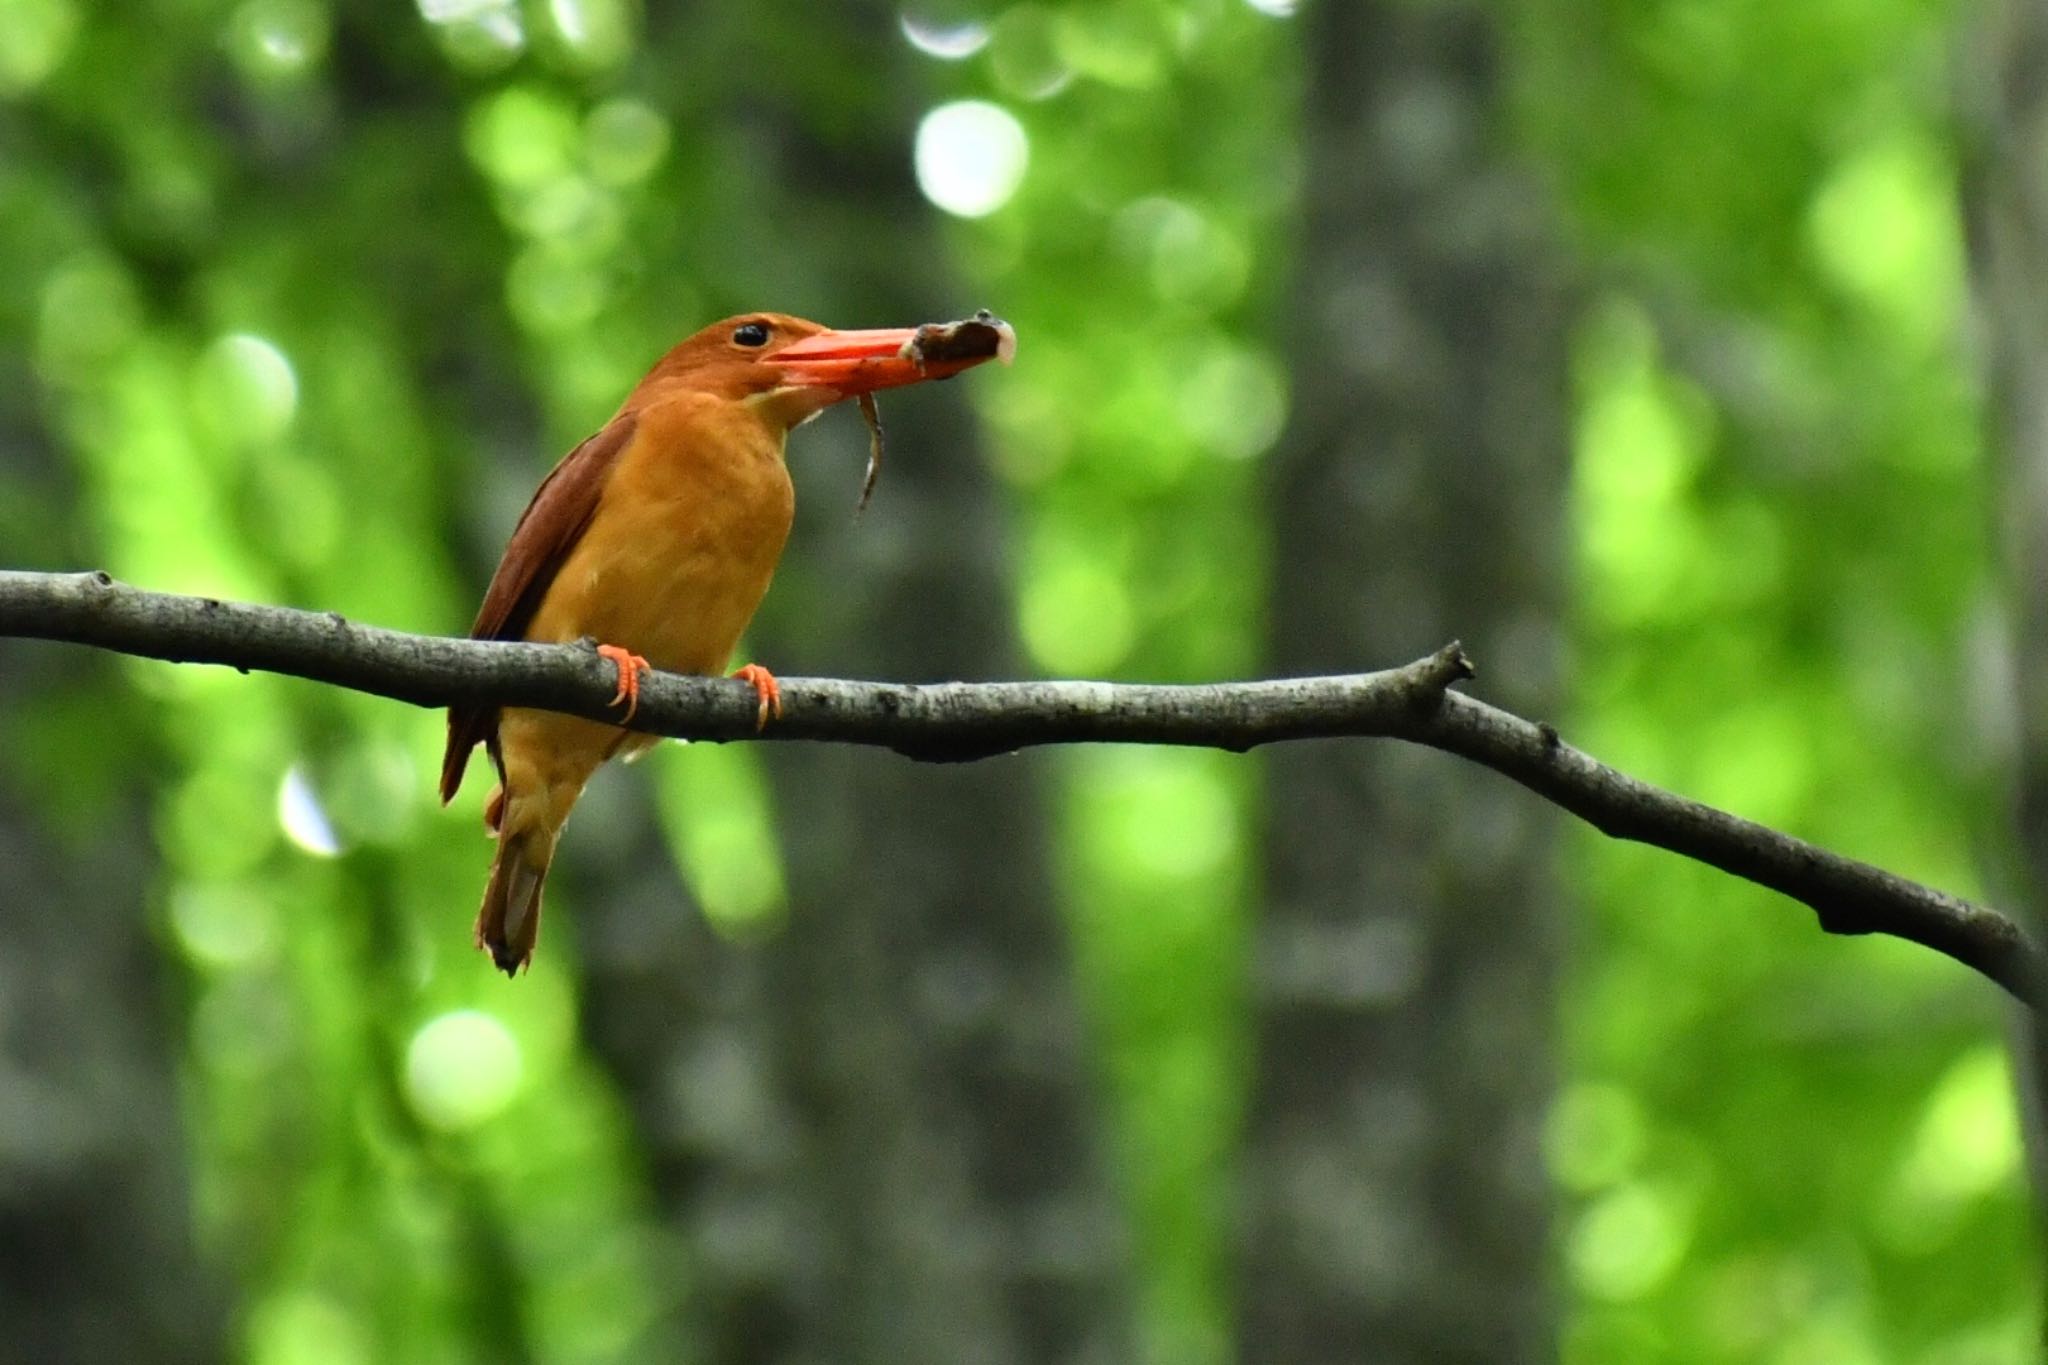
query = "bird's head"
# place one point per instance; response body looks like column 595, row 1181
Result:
column 790, row 369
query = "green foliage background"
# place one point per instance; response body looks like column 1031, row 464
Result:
column 307, row 295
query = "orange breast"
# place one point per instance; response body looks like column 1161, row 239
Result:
column 684, row 540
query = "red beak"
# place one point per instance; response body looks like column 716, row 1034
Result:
column 863, row 361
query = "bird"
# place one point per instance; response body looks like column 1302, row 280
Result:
column 656, row 539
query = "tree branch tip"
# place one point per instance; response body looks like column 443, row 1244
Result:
column 1433, row 676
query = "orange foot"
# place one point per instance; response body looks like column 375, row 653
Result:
column 766, row 688
column 630, row 666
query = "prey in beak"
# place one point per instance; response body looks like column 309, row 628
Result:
column 857, row 364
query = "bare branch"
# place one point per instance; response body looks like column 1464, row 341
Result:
column 954, row 722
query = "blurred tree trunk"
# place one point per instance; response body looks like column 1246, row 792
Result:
column 2003, row 94
column 98, row 1259
column 876, row 1129
column 97, row 1256
column 1396, row 1204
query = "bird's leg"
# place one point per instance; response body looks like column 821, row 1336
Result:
column 766, row 688
column 630, row 666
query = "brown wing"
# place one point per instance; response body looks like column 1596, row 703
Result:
column 547, row 531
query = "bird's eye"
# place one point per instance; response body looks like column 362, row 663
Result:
column 750, row 334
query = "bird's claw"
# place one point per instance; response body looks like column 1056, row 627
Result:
column 766, row 688
column 630, row 666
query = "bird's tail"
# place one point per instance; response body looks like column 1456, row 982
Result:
column 508, row 925
column 543, row 761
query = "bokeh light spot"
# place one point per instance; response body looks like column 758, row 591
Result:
column 305, row 1328
column 1643, row 435
column 624, row 140
column 1163, row 815
column 270, row 39
column 245, row 387
column 1594, row 1136
column 477, row 33
column 1234, row 400
column 1629, row 1242
column 1119, row 44
column 1076, row 616
column 970, row 157
column 458, row 11
column 224, row 925
column 1196, row 262
column 1968, row 1141
column 1884, row 227
column 35, row 35
column 550, row 291
column 571, row 213
column 89, row 313
column 598, row 33
column 719, row 816
column 949, row 40
column 373, row 792
column 301, row 816
column 1024, row 54
column 522, row 136
column 462, row 1069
